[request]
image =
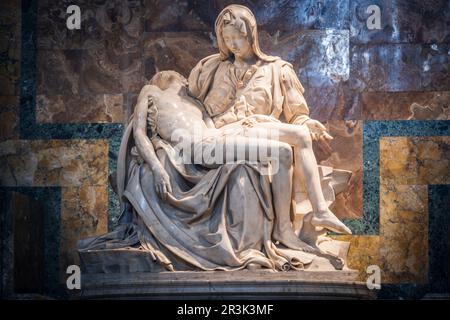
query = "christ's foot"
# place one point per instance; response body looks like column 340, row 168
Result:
column 291, row 241
column 326, row 219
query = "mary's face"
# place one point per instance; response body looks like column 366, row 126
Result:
column 236, row 42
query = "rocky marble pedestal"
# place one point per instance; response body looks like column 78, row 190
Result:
column 131, row 274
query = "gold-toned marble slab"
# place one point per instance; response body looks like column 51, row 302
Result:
column 53, row 163
column 84, row 213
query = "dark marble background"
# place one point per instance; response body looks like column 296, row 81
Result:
column 351, row 74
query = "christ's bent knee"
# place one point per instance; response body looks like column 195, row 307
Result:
column 285, row 155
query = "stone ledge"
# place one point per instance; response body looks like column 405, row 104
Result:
column 217, row 285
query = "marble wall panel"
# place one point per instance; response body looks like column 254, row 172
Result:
column 363, row 252
column 129, row 102
column 407, row 166
column 53, row 163
column 416, row 160
column 179, row 51
column 84, row 213
column 85, row 85
column 91, row 66
column 404, row 233
column 101, row 108
column 321, row 61
column 337, row 102
column 28, row 224
column 373, row 67
column 80, row 168
column 431, row 105
column 9, row 117
column 401, row 250
column 10, row 42
column 106, row 71
column 402, row 21
column 58, row 72
column 104, row 23
column 320, row 57
column 435, row 21
column 272, row 16
column 400, row 67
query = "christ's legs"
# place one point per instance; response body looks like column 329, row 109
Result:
column 305, row 167
column 240, row 148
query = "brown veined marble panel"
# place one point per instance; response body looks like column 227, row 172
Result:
column 103, row 23
column 9, row 117
column 104, row 108
column 401, row 249
column 103, row 57
column 273, row 16
column 333, row 103
column 129, row 102
column 84, row 213
column 433, row 105
column 344, row 152
column 415, row 160
column 179, row 51
column 89, row 72
column 10, row 43
column 173, row 16
column 53, row 163
column 58, row 72
column 110, row 71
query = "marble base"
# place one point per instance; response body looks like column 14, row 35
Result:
column 225, row 285
column 131, row 274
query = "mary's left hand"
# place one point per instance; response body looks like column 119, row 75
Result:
column 318, row 130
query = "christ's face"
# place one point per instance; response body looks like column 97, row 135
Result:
column 236, row 42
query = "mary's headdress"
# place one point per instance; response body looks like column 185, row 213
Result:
column 243, row 20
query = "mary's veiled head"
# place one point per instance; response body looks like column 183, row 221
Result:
column 241, row 18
